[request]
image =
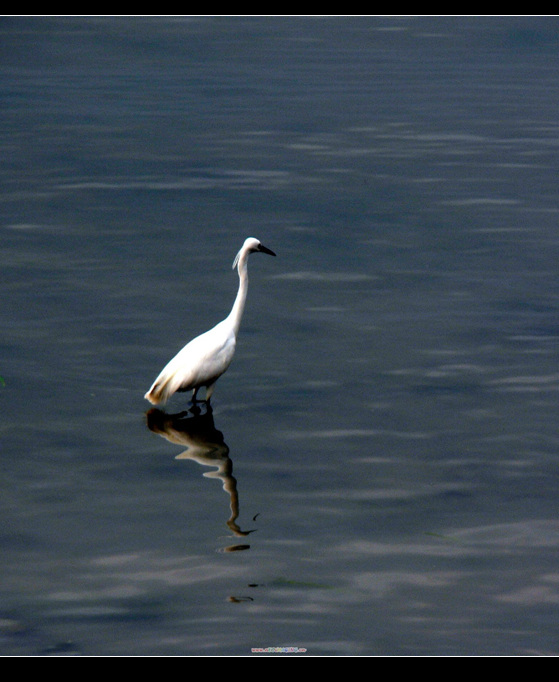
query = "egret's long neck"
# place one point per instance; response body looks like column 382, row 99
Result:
column 236, row 313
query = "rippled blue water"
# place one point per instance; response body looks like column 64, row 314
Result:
column 379, row 475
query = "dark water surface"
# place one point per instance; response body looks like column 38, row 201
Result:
column 379, row 475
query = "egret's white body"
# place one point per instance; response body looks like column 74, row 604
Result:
column 202, row 361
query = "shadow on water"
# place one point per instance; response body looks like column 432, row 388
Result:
column 195, row 430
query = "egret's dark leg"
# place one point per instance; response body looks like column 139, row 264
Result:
column 195, row 409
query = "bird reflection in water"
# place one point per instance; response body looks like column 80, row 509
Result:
column 204, row 444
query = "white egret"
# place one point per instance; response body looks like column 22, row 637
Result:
column 202, row 361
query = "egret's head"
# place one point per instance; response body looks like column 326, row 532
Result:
column 252, row 245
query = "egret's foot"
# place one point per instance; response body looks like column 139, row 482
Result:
column 195, row 409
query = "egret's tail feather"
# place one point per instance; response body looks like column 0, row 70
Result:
column 157, row 394
column 152, row 396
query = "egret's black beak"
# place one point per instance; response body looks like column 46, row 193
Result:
column 264, row 249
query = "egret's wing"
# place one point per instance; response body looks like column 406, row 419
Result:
column 201, row 362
